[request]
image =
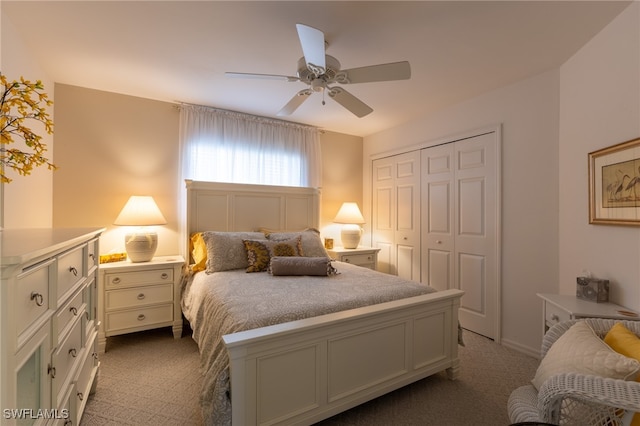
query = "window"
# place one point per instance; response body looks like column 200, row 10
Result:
column 224, row 146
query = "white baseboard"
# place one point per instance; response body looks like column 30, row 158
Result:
column 535, row 353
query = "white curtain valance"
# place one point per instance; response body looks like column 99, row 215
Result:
column 228, row 146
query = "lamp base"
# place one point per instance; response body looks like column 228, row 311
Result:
column 350, row 236
column 141, row 246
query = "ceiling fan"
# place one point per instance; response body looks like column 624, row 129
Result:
column 321, row 71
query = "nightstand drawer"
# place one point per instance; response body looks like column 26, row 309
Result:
column 70, row 271
column 138, row 296
column 358, row 259
column 555, row 315
column 121, row 320
column 126, row 279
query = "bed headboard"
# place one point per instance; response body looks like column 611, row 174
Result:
column 216, row 206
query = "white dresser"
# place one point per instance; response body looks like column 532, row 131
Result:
column 48, row 324
column 139, row 296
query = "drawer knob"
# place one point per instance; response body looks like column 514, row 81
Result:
column 368, row 257
column 80, row 396
column 92, row 256
column 74, row 311
column 38, row 298
column 74, row 271
column 438, row 242
column 73, row 352
column 346, row 260
column 164, row 276
column 141, row 296
column 555, row 317
column 116, row 280
column 141, row 317
column 95, row 355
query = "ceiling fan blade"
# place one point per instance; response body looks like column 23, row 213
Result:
column 261, row 76
column 350, row 102
column 295, row 102
column 312, row 42
column 383, row 72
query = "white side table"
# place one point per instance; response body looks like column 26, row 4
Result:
column 366, row 257
column 139, row 296
column 561, row 307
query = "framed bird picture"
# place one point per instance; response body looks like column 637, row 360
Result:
column 614, row 184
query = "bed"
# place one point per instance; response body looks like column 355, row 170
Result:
column 298, row 360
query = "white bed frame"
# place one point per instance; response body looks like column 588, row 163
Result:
column 301, row 372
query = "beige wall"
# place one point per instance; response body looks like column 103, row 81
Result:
column 599, row 107
column 26, row 202
column 341, row 178
column 111, row 146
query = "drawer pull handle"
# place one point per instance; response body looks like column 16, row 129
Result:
column 80, row 396
column 92, row 256
column 68, row 422
column 141, row 296
column 74, row 311
column 116, row 280
column 346, row 260
column 74, row 271
column 95, row 355
column 141, row 317
column 164, row 276
column 51, row 371
column 555, row 317
column 38, row 298
column 86, row 314
column 73, row 352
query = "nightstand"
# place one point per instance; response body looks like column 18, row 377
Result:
column 562, row 307
column 366, row 257
column 139, row 296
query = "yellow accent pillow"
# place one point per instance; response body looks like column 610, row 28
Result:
column 198, row 252
column 625, row 342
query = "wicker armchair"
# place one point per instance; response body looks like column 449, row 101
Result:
column 577, row 399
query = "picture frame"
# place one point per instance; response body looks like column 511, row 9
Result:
column 614, row 184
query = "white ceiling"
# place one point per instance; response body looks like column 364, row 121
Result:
column 179, row 51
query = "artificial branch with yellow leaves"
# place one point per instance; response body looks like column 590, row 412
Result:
column 21, row 102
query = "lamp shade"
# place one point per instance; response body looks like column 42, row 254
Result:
column 349, row 213
column 140, row 210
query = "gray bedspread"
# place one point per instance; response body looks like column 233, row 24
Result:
column 231, row 301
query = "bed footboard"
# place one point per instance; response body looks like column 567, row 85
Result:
column 304, row 371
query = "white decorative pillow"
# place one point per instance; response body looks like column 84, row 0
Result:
column 580, row 350
column 311, row 243
column 225, row 250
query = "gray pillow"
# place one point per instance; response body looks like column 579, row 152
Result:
column 292, row 265
column 226, row 251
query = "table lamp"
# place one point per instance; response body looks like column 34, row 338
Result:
column 141, row 212
column 351, row 218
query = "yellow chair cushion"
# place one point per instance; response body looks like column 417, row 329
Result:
column 625, row 342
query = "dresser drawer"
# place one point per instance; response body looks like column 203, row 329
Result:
column 554, row 315
column 358, row 259
column 139, row 318
column 32, row 298
column 138, row 296
column 70, row 271
column 65, row 358
column 65, row 317
column 92, row 254
column 126, row 279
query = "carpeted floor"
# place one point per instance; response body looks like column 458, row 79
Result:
column 148, row 378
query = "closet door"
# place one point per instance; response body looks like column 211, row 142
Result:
column 459, row 219
column 396, row 214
